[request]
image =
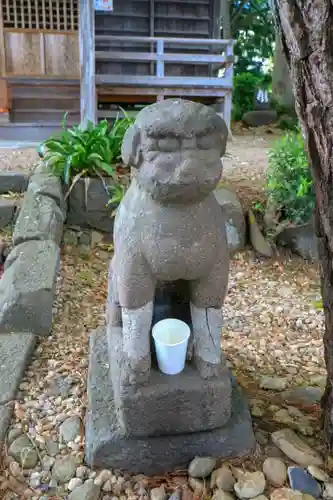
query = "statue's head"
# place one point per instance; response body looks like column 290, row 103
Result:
column 175, row 148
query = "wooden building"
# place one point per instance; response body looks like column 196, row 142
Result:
column 141, row 51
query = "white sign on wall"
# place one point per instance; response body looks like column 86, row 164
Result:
column 104, row 5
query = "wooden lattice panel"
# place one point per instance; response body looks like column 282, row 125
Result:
column 48, row 15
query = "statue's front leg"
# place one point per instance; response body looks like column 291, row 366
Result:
column 136, row 291
column 136, row 344
column 207, row 297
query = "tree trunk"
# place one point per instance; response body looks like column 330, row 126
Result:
column 307, row 36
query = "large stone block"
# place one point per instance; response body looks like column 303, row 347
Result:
column 87, row 205
column 107, row 446
column 15, row 182
column 232, row 217
column 44, row 183
column 15, row 353
column 27, row 287
column 40, row 218
column 260, row 118
column 7, row 212
column 168, row 405
column 301, row 240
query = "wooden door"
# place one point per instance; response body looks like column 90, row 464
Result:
column 40, row 39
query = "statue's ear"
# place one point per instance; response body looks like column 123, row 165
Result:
column 130, row 149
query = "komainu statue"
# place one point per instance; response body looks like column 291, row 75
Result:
column 168, row 230
column 171, row 260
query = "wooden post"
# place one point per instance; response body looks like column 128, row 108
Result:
column 227, row 107
column 160, row 60
column 88, row 101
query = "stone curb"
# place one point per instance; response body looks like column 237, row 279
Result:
column 15, row 182
column 27, row 288
column 18, row 347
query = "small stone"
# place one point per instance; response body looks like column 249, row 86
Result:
column 295, row 448
column 250, row 485
column 260, row 497
column 87, row 491
column 15, row 469
column 35, row 480
column 158, row 493
column 328, row 491
column 286, row 494
column 24, row 453
column 47, row 462
column 107, row 486
column 13, row 434
column 64, row 469
column 197, row 485
column 82, row 471
column 222, row 495
column 74, row 483
column 52, row 447
column 70, row 429
column 302, row 481
column 275, row 471
column 282, row 416
column 102, row 477
column 273, row 383
column 303, row 395
column 201, row 467
column 223, row 479
column 318, row 473
column 70, row 238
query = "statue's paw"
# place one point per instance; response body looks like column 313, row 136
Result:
column 208, row 370
column 136, row 372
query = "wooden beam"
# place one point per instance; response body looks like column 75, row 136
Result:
column 102, row 55
column 167, row 40
column 87, row 62
column 167, row 81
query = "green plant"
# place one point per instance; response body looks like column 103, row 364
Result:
column 289, row 182
column 90, row 152
column 117, row 192
column 244, row 88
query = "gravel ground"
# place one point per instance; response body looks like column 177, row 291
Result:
column 273, row 327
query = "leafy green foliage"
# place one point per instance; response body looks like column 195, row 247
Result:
column 253, row 29
column 289, row 182
column 85, row 152
column 244, row 88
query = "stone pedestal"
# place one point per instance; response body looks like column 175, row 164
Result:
column 108, row 445
column 167, row 405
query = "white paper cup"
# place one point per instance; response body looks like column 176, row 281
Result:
column 171, row 338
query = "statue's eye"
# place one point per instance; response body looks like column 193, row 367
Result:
column 151, row 144
column 168, row 144
column 207, row 142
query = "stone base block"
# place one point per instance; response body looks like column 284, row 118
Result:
column 107, row 446
column 167, row 405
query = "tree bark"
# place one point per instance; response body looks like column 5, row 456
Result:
column 281, row 81
column 306, row 28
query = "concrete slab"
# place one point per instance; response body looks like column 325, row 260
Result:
column 15, row 353
column 107, row 446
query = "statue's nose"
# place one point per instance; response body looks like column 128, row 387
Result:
column 189, row 143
